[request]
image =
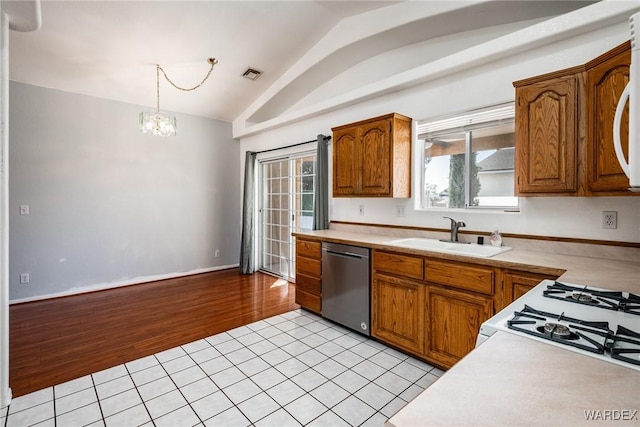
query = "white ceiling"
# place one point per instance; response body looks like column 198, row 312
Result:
column 109, row 49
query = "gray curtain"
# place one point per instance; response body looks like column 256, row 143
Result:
column 321, row 198
column 246, row 246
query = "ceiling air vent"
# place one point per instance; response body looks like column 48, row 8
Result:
column 252, row 74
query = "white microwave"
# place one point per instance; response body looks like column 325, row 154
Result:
column 631, row 167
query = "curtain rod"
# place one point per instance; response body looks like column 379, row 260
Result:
column 326, row 138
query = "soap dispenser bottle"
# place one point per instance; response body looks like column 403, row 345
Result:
column 496, row 238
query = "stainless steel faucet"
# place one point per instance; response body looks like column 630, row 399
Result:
column 454, row 228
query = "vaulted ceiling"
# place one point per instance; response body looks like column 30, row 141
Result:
column 109, row 49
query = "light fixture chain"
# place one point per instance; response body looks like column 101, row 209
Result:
column 158, row 88
column 213, row 63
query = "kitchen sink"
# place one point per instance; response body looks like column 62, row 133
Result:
column 449, row 247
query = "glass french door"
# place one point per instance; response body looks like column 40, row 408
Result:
column 287, row 188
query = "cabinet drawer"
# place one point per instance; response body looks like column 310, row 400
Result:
column 308, row 266
column 399, row 265
column 308, row 284
column 469, row 277
column 309, row 301
column 308, row 248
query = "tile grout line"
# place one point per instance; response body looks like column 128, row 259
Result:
column 347, row 368
column 55, row 417
column 233, row 365
column 289, row 378
column 135, row 386
column 177, row 387
column 206, row 376
column 291, row 356
column 212, row 380
column 260, row 388
column 328, row 409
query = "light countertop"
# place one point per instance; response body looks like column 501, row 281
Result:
column 591, row 271
column 514, row 381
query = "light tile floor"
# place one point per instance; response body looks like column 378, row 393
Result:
column 288, row 370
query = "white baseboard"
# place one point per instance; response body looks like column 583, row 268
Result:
column 136, row 281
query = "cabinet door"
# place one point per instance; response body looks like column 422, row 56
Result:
column 375, row 144
column 453, row 321
column 308, row 275
column 345, row 162
column 517, row 283
column 546, row 138
column 605, row 83
column 397, row 313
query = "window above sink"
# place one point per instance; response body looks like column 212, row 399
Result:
column 468, row 160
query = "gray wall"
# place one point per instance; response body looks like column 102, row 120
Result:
column 110, row 205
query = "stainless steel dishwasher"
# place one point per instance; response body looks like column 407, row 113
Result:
column 345, row 286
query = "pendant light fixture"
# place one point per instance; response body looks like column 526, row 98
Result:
column 162, row 124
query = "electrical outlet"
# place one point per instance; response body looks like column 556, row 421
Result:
column 361, row 209
column 400, row 212
column 610, row 219
column 217, row 253
column 24, row 278
column 24, row 209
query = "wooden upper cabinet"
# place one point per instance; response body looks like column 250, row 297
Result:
column 372, row 158
column 607, row 77
column 375, row 143
column 546, row 139
column 564, row 129
column 344, row 162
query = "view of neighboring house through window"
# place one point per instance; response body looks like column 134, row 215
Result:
column 468, row 160
column 286, row 206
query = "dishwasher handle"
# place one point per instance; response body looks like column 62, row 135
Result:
column 344, row 254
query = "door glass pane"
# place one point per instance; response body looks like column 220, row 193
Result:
column 305, row 183
column 444, row 174
column 275, row 216
column 493, row 150
column 287, row 206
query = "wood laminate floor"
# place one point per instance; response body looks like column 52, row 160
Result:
column 57, row 340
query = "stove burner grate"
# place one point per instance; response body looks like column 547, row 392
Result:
column 626, row 346
column 609, row 300
column 631, row 304
column 586, row 335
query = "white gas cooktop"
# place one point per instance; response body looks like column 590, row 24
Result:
column 596, row 322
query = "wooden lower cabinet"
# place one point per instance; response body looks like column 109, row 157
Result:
column 453, row 320
column 308, row 274
column 517, row 283
column 397, row 315
column 308, row 292
column 431, row 308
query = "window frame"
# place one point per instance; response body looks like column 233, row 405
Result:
column 463, row 123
